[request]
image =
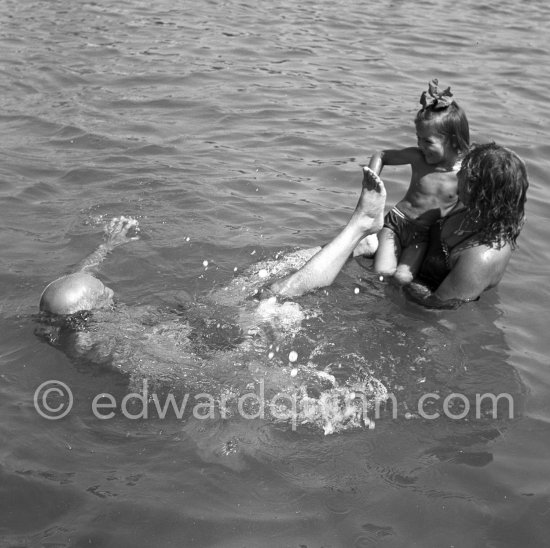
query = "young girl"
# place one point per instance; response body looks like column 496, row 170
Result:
column 443, row 139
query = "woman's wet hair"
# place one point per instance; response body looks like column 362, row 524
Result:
column 496, row 184
column 450, row 121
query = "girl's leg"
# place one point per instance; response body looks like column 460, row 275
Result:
column 410, row 262
column 367, row 246
column 322, row 269
column 389, row 250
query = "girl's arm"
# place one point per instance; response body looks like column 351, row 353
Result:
column 394, row 158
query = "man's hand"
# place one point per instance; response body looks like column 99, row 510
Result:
column 121, row 230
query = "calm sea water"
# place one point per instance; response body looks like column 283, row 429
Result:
column 232, row 131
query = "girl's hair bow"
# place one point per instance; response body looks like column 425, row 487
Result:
column 434, row 98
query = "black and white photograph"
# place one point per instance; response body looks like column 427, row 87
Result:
column 274, row 274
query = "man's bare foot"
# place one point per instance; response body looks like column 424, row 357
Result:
column 369, row 212
column 121, row 230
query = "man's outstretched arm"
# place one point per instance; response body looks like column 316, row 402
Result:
column 116, row 233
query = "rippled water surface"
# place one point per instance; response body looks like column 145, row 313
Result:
column 234, row 132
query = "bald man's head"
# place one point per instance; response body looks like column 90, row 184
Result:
column 73, row 293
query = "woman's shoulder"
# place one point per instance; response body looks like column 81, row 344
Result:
column 473, row 269
column 486, row 261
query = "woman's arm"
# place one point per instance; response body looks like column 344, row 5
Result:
column 474, row 270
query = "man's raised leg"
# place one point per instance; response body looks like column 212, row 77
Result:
column 322, row 269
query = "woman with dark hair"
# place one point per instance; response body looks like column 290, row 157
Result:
column 469, row 248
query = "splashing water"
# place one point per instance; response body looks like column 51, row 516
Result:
column 225, row 350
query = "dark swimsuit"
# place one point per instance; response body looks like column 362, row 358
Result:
column 446, row 234
column 409, row 231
